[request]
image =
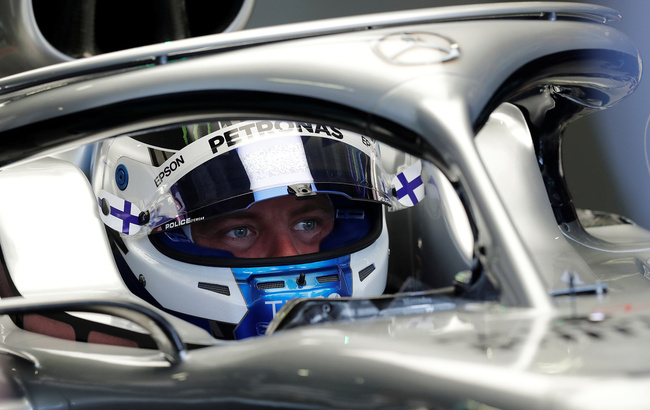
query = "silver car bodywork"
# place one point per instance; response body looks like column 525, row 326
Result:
column 483, row 92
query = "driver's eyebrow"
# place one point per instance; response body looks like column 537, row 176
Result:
column 308, row 206
column 239, row 215
column 313, row 206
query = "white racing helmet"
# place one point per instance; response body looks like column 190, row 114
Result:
column 158, row 189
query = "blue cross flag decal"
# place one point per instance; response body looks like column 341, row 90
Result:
column 409, row 186
column 118, row 214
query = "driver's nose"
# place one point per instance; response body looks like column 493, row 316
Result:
column 283, row 246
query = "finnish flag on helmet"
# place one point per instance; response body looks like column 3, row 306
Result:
column 118, row 214
column 409, row 186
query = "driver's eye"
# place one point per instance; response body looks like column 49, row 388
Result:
column 239, row 232
column 307, row 225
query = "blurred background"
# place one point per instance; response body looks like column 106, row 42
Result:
column 605, row 154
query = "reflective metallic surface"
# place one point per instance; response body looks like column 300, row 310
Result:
column 537, row 331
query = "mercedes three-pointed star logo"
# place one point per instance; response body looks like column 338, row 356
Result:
column 416, row 48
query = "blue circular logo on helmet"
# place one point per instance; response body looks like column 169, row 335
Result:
column 121, row 177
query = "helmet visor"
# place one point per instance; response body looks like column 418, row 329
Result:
column 221, row 178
